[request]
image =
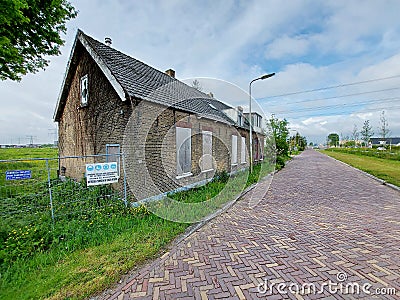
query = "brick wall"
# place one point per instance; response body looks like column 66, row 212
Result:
column 86, row 130
column 145, row 131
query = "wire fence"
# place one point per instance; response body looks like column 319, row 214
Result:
column 33, row 189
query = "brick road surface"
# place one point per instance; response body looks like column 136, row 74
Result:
column 319, row 218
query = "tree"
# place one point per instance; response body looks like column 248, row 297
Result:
column 355, row 134
column 366, row 132
column 383, row 129
column 277, row 140
column 298, row 141
column 333, row 139
column 30, row 31
column 196, row 84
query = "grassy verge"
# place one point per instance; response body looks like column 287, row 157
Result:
column 87, row 252
column 386, row 169
column 394, row 154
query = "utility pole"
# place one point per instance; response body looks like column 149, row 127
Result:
column 31, row 138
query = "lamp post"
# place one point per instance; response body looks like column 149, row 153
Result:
column 251, row 117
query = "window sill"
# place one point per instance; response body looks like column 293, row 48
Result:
column 244, row 162
column 205, row 171
column 184, row 175
column 233, row 165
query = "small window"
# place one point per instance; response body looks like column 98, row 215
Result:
column 234, row 150
column 243, row 151
column 207, row 159
column 240, row 119
column 84, row 90
column 183, row 151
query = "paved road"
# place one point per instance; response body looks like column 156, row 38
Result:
column 320, row 222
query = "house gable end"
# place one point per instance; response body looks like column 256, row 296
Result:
column 69, row 74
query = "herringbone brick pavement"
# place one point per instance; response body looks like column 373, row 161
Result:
column 319, row 219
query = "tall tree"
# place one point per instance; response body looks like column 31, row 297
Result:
column 366, row 132
column 29, row 32
column 277, row 140
column 384, row 126
column 333, row 139
column 355, row 134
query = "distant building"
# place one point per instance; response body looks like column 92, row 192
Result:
column 386, row 141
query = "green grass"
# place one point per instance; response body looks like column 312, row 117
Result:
column 194, row 205
column 95, row 238
column 38, row 168
column 17, row 153
column 386, row 169
column 394, row 154
column 61, row 274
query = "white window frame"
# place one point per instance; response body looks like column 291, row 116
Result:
column 183, row 135
column 234, row 154
column 243, row 151
column 84, row 98
column 207, row 153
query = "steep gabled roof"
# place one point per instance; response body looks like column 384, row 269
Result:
column 132, row 78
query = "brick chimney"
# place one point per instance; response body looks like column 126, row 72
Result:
column 170, row 72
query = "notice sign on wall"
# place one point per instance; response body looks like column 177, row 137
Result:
column 101, row 173
column 18, row 174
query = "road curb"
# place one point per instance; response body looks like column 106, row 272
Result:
column 195, row 227
column 383, row 182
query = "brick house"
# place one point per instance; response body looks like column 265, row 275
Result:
column 172, row 135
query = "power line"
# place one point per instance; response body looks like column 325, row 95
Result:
column 341, row 114
column 331, row 87
column 346, row 95
column 341, row 105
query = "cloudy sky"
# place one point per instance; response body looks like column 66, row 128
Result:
column 337, row 63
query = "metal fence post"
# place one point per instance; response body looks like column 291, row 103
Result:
column 49, row 186
column 123, row 169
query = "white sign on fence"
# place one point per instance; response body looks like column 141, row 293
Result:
column 101, row 173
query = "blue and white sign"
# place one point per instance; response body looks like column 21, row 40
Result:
column 18, row 174
column 101, row 173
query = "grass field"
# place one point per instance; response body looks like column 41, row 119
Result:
column 16, row 153
column 83, row 253
column 386, row 169
column 393, row 153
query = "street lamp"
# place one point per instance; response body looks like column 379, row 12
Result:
column 250, row 117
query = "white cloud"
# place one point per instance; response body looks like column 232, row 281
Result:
column 287, row 46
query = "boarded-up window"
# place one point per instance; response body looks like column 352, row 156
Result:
column 183, row 151
column 234, row 150
column 84, row 90
column 206, row 161
column 243, row 151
